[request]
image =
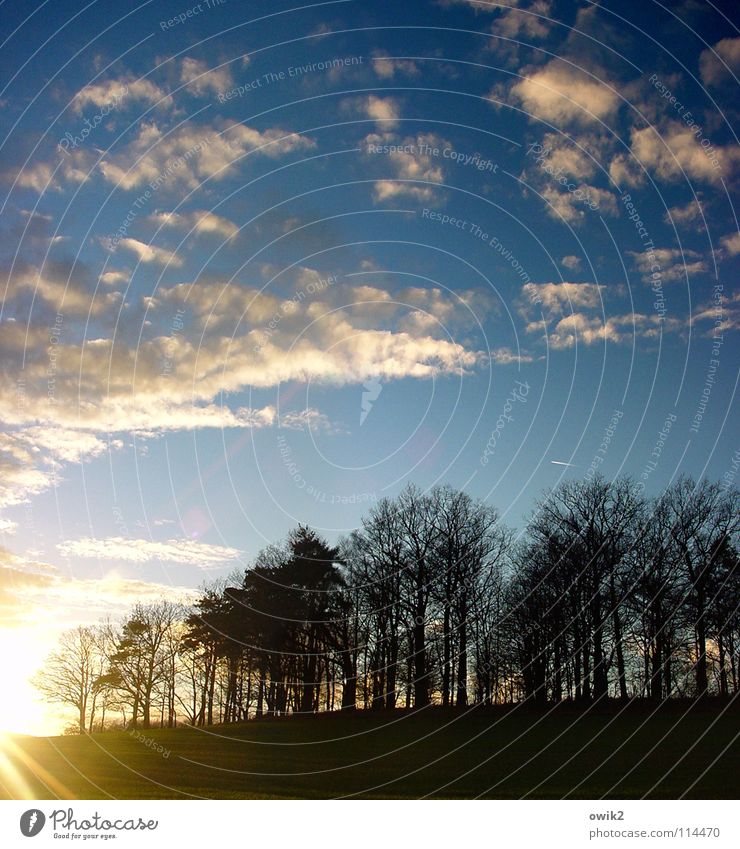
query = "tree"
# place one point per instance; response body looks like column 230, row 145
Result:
column 139, row 659
column 71, row 672
column 703, row 519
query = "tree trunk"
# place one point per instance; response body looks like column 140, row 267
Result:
column 462, row 665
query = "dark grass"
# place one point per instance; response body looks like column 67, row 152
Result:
column 513, row 752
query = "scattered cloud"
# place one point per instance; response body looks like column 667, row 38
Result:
column 674, row 264
column 150, row 253
column 387, row 68
column 531, row 22
column 202, row 81
column 731, row 243
column 505, row 357
column 191, row 153
column 721, row 62
column 183, row 551
column 412, row 169
column 675, row 152
column 124, row 89
column 385, row 110
column 561, row 94
column 199, row 221
column 7, row 526
column 688, row 216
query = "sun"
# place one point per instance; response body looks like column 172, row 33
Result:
column 24, row 650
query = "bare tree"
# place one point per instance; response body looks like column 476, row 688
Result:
column 703, row 518
column 70, row 673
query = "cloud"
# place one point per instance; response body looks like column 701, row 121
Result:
column 199, row 221
column 387, row 68
column 561, row 94
column 124, row 89
column 674, row 264
column 723, row 315
column 579, row 328
column 719, row 63
column 555, row 298
column 64, row 444
column 150, row 253
column 572, row 263
column 625, row 171
column 19, row 477
column 73, row 167
column 409, row 166
column 30, row 458
column 576, row 157
column 31, row 592
column 572, row 206
column 731, row 243
column 688, row 216
column 385, row 110
column 505, row 357
column 62, row 285
column 530, row 22
column 676, row 152
column 183, row 551
column 199, row 80
column 115, row 278
column 229, row 337
column 7, row 526
column 192, row 153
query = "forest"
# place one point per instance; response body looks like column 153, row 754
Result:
column 433, row 600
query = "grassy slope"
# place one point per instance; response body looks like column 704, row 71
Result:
column 498, row 753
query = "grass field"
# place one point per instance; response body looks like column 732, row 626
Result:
column 678, row 749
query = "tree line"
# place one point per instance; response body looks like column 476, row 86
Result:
column 433, row 600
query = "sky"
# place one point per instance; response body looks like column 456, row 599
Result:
column 267, row 263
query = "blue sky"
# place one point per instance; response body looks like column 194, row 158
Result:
column 267, row 264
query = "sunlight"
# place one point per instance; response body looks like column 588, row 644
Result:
column 23, row 651
column 12, row 756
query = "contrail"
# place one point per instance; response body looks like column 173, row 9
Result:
column 561, row 463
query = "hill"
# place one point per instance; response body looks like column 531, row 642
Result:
column 659, row 751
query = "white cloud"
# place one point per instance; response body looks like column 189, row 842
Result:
column 531, row 22
column 115, row 278
column 387, row 68
column 7, row 526
column 150, row 253
column 561, row 94
column 719, row 63
column 60, row 286
column 199, row 220
column 674, row 265
column 572, row 263
column 731, row 244
column 228, row 340
column 505, row 357
column 385, row 110
column 582, row 329
column 555, row 298
column 192, row 153
column 184, row 551
column 676, row 152
column 408, row 165
column 688, row 216
column 125, row 89
column 200, row 80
